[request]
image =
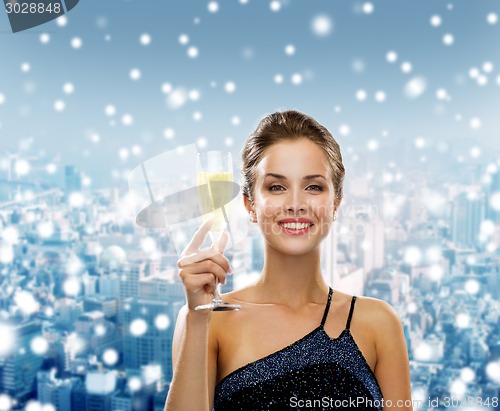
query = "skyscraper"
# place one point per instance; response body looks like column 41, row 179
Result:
column 72, row 180
column 18, row 370
column 466, row 216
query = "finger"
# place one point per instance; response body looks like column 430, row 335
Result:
column 199, row 237
column 196, row 257
column 208, row 254
column 222, row 261
column 219, row 259
column 199, row 280
column 224, row 239
column 204, row 267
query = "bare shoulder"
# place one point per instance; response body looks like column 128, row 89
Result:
column 378, row 311
column 383, row 318
column 377, row 308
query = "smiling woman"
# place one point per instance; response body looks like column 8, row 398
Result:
column 295, row 340
column 293, row 192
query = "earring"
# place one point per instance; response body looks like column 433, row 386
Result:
column 334, row 217
column 253, row 217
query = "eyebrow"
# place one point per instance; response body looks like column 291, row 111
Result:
column 280, row 177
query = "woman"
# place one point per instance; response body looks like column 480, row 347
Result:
column 295, row 343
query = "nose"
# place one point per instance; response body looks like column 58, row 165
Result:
column 295, row 202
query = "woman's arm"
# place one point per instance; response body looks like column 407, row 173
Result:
column 194, row 348
column 194, row 356
column 393, row 368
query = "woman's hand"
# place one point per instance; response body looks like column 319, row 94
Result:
column 200, row 267
column 194, row 348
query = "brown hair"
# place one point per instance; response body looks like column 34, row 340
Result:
column 289, row 125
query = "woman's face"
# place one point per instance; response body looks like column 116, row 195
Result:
column 293, row 196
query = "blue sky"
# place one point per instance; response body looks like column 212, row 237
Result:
column 58, row 100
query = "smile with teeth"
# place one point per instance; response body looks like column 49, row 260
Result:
column 295, row 226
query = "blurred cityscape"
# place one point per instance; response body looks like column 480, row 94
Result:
column 88, row 300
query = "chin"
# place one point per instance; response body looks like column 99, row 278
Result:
column 296, row 251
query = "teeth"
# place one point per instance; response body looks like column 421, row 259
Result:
column 296, row 226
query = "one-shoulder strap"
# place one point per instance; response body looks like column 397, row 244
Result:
column 348, row 324
column 327, row 308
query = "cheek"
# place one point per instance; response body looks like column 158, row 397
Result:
column 269, row 207
column 324, row 213
column 323, row 209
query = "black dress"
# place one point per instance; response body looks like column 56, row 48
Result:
column 314, row 373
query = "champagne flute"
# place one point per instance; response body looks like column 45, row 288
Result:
column 218, row 168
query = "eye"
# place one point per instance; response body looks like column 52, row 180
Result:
column 315, row 187
column 276, row 187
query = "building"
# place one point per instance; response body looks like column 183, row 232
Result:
column 68, row 310
column 19, row 369
column 55, row 391
column 467, row 213
column 100, row 387
column 72, row 180
column 148, row 333
column 130, row 274
column 162, row 287
column 107, row 305
column 109, row 285
column 79, row 397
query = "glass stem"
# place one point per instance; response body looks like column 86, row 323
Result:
column 215, row 237
column 217, row 297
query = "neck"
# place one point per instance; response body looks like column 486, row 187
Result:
column 292, row 280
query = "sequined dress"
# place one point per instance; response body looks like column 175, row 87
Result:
column 315, row 372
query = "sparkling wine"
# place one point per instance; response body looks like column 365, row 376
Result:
column 217, row 195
